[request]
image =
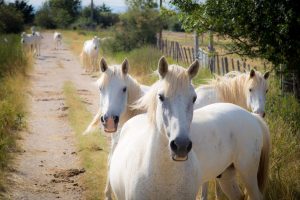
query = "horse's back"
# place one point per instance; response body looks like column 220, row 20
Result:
column 206, row 95
column 222, row 134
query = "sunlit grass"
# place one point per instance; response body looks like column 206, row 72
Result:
column 14, row 68
column 92, row 148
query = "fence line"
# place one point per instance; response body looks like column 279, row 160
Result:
column 215, row 63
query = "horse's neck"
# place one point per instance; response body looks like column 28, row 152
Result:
column 233, row 92
column 135, row 92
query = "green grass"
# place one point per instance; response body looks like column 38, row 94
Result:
column 92, row 148
column 14, row 65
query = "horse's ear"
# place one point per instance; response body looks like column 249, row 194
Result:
column 193, row 69
column 103, row 65
column 125, row 66
column 162, row 67
column 252, row 73
column 266, row 75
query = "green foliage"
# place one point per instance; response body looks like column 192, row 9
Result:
column 137, row 27
column 13, row 67
column 283, row 118
column 44, row 18
column 102, row 17
column 268, row 29
column 26, row 9
column 11, row 20
column 58, row 13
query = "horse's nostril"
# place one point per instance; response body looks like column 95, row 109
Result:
column 116, row 119
column 189, row 147
column 102, row 119
column 173, row 146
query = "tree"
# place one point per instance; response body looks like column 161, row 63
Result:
column 269, row 29
column 25, row 8
column 11, row 20
column 44, row 17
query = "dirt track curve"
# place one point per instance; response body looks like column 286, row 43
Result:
column 48, row 166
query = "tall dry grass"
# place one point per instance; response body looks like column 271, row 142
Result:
column 14, row 65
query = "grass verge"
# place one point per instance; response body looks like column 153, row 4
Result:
column 14, row 67
column 92, row 148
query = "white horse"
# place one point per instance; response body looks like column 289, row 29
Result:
column 37, row 42
column 89, row 54
column 146, row 162
column 118, row 92
column 57, row 37
column 226, row 138
column 28, row 41
column 247, row 90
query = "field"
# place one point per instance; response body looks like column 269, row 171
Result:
column 283, row 112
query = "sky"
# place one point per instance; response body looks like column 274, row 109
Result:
column 116, row 5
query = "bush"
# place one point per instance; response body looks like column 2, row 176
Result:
column 11, row 20
column 137, row 27
column 44, row 17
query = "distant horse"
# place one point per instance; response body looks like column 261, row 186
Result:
column 28, row 42
column 57, row 37
column 247, row 90
column 228, row 139
column 146, row 162
column 89, row 54
column 37, row 42
column 118, row 92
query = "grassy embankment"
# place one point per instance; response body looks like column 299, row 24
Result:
column 283, row 117
column 14, row 65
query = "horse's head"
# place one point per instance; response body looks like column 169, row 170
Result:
column 96, row 42
column 256, row 90
column 169, row 105
column 113, row 94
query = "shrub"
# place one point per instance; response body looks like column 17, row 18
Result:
column 11, row 20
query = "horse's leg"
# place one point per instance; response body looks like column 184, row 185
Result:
column 251, row 184
column 218, row 190
column 248, row 173
column 204, row 190
column 114, row 142
column 229, row 185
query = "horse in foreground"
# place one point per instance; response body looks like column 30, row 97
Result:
column 154, row 158
column 247, row 90
column 228, row 139
column 89, row 54
column 118, row 92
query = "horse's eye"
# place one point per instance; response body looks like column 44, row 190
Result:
column 267, row 91
column 194, row 99
column 161, row 97
column 124, row 89
column 250, row 90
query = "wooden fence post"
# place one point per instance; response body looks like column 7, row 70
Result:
column 238, row 65
column 226, row 65
column 218, row 65
column 223, row 67
column 232, row 63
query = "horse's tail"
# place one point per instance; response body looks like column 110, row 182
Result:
column 263, row 168
column 93, row 125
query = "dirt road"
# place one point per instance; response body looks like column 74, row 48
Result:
column 48, row 166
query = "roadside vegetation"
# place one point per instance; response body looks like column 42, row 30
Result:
column 14, row 67
column 92, row 149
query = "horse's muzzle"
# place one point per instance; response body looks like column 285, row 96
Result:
column 110, row 124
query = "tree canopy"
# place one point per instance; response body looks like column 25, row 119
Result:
column 269, row 29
